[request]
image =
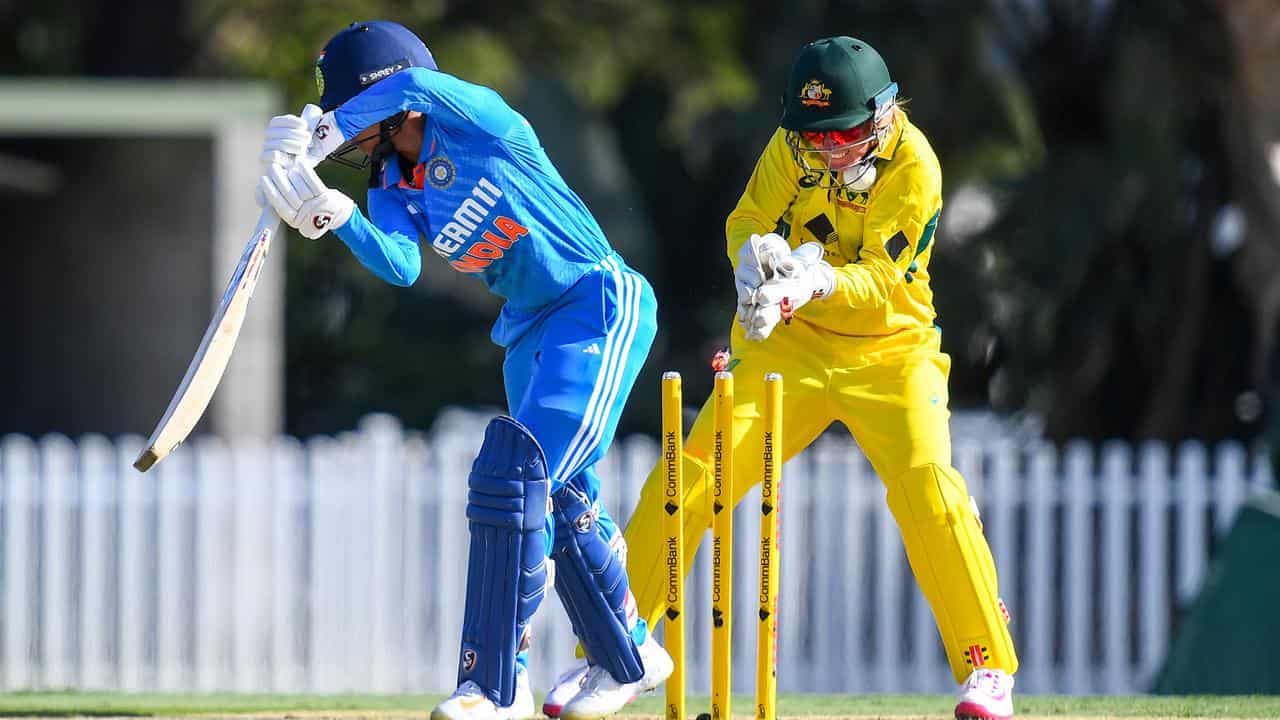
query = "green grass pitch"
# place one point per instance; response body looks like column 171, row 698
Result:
column 49, row 704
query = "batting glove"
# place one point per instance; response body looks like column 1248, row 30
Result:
column 288, row 136
column 325, row 137
column 303, row 201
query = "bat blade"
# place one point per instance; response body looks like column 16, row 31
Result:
column 211, row 358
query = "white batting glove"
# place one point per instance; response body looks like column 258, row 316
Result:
column 325, row 137
column 303, row 201
column 797, row 278
column 288, row 136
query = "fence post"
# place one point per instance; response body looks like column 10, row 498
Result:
column 1154, row 597
column 175, row 510
column 290, row 508
column 888, row 570
column 419, row 486
column 252, row 553
column 1041, row 500
column 454, row 454
column 1117, row 494
column 832, row 476
column 213, row 579
column 1077, row 546
column 98, row 609
column 58, row 457
column 21, row 473
column 1192, row 498
column 326, row 592
column 858, row 487
column 382, row 445
column 136, row 492
column 1229, row 486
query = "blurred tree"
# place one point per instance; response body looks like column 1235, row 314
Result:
column 1103, row 290
column 135, row 38
column 355, row 345
column 1254, row 147
column 1110, row 235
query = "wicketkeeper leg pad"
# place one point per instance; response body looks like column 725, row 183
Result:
column 592, row 584
column 953, row 565
column 506, row 576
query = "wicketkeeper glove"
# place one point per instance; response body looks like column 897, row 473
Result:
column 797, row 278
column 756, row 260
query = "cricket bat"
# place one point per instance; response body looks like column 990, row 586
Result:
column 206, row 369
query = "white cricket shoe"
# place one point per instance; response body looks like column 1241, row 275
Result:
column 566, row 686
column 986, row 695
column 469, row 702
column 601, row 695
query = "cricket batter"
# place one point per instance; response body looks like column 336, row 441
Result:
column 836, row 229
column 453, row 163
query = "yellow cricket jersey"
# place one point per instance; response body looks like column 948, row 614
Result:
column 867, row 357
column 878, row 241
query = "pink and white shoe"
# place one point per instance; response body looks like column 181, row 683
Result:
column 602, row 696
column 566, row 686
column 986, row 695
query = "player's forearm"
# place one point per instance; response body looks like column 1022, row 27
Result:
column 393, row 256
column 864, row 285
column 443, row 98
column 769, row 192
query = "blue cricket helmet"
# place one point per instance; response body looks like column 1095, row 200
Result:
column 364, row 53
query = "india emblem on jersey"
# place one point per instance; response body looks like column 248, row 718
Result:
column 440, row 172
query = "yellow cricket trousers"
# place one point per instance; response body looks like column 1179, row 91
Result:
column 891, row 392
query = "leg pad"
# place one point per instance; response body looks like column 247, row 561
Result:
column 592, row 583
column 506, row 574
column 953, row 565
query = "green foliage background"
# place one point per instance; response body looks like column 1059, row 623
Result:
column 1106, row 138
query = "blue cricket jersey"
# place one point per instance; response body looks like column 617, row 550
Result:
column 484, row 193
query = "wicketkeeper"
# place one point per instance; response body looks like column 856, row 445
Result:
column 830, row 245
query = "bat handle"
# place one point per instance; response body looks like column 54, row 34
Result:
column 268, row 218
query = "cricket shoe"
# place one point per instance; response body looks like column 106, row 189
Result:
column 986, row 695
column 566, row 686
column 601, row 695
column 469, row 702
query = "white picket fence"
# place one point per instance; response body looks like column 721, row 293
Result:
column 338, row 564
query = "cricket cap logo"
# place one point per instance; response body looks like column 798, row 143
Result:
column 815, row 94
